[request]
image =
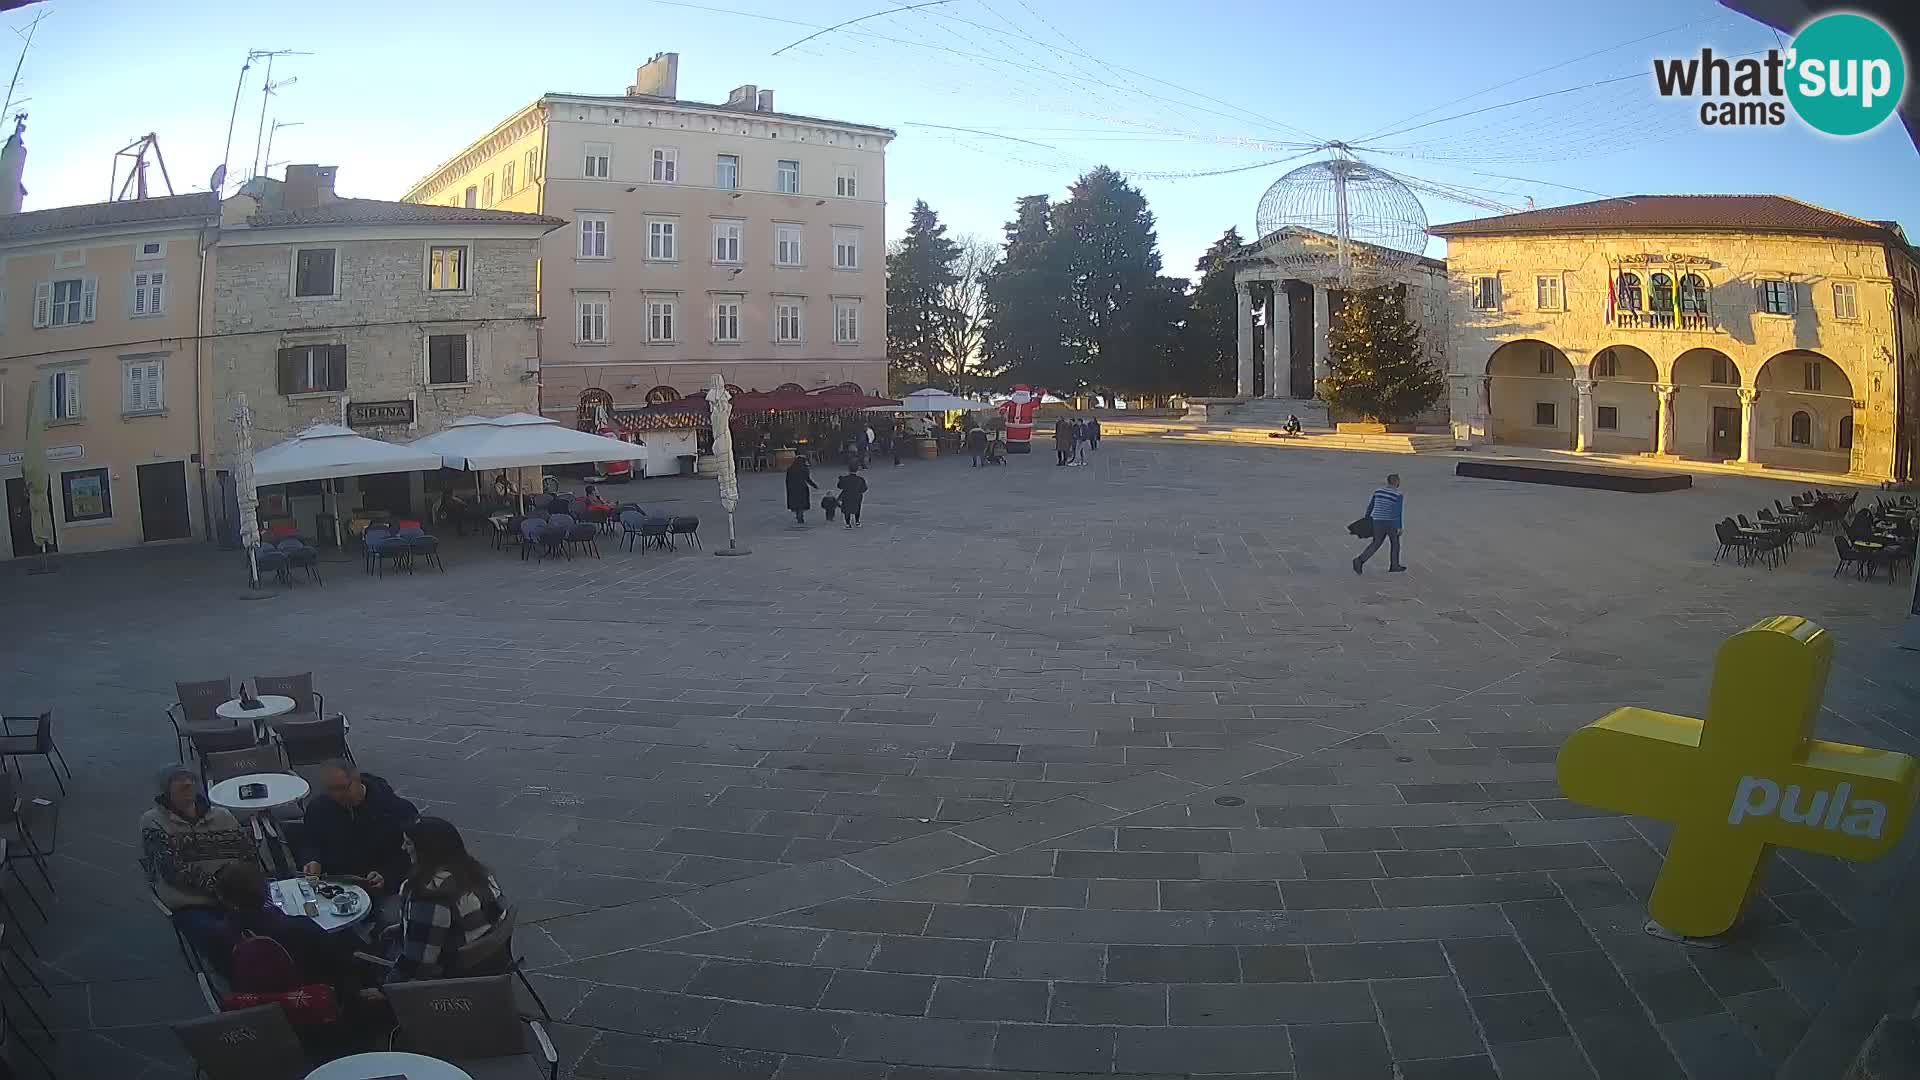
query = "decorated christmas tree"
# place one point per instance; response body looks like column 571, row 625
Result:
column 1375, row 368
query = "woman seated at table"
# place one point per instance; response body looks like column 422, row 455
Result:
column 448, row 901
column 185, row 842
column 242, row 888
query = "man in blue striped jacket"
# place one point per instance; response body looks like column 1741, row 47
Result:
column 1384, row 510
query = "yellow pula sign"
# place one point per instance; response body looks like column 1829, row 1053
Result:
column 1747, row 778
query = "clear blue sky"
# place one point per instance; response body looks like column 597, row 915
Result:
column 393, row 89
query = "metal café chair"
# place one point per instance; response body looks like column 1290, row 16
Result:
column 194, row 707
column 35, row 743
column 246, row 1044
column 472, row 1023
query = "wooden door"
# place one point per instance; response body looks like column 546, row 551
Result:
column 163, row 501
column 1725, row 436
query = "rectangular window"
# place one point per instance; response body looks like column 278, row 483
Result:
column 726, row 320
column 660, row 241
column 533, row 165
column 446, row 269
column 486, row 193
column 666, row 165
column 1546, row 292
column 786, row 177
column 846, row 321
column 1606, row 366
column 726, row 241
column 313, row 369
column 63, row 396
column 1546, row 361
column 593, row 236
column 141, row 387
column 472, row 197
column 786, row 245
column 1846, row 300
column 596, row 161
column 151, row 249
column 593, row 319
column 313, row 272
column 1543, row 414
column 1607, row 417
column 149, row 292
column 1486, row 294
column 846, row 249
column 447, row 360
column 846, row 181
column 506, row 179
column 86, row 495
column 660, row 320
column 1776, row 297
column 1810, row 376
column 786, row 321
column 68, row 302
column 726, row 171
column 1723, row 373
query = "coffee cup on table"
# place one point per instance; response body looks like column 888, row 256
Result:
column 345, row 903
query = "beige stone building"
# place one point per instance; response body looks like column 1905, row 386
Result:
column 1743, row 328
column 702, row 238
column 1289, row 284
column 390, row 318
column 97, row 312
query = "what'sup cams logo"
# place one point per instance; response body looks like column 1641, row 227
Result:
column 1843, row 75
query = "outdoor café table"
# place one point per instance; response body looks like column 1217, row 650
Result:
column 381, row 1066
column 285, row 894
column 282, row 789
column 271, row 705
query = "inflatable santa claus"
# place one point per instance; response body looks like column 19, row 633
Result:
column 1018, row 410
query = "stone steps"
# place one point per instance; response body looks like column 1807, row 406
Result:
column 1312, row 439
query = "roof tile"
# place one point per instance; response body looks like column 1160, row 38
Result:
column 106, row 215
column 1744, row 213
column 384, row 212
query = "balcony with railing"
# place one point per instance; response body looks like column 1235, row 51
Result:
column 1696, row 322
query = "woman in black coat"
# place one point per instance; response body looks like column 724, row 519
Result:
column 799, row 480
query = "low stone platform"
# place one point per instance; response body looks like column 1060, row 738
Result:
column 1568, row 474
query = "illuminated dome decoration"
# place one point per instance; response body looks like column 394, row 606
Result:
column 1371, row 222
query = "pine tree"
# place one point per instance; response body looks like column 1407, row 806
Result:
column 1026, row 302
column 919, row 274
column 1208, row 362
column 1375, row 366
column 1111, row 257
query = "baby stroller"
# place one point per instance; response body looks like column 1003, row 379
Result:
column 996, row 452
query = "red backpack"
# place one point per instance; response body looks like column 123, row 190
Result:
column 264, row 972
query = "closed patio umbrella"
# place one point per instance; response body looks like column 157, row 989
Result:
column 721, row 405
column 36, row 477
column 244, row 488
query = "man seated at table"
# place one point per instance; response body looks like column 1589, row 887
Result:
column 185, row 842
column 356, row 828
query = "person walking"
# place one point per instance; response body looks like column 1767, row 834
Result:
column 799, row 480
column 1079, row 454
column 977, row 443
column 853, row 491
column 1093, row 433
column 1062, row 441
column 1384, row 510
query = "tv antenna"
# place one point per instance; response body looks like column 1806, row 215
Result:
column 233, row 117
column 267, row 88
column 14, row 83
column 135, row 185
column 271, row 132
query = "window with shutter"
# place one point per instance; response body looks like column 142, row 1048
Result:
column 68, row 302
column 142, row 387
column 63, row 395
column 313, row 272
column 446, row 269
column 336, row 367
column 149, row 292
column 447, row 359
column 313, row 369
column 43, row 304
column 89, row 289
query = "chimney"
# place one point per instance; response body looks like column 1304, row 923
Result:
column 765, row 102
column 658, row 77
column 743, row 97
column 13, row 165
column 308, row 186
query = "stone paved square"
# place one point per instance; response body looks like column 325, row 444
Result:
column 1115, row 769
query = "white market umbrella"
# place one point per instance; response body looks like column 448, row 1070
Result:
column 720, row 406
column 933, row 400
column 521, row 441
column 329, row 452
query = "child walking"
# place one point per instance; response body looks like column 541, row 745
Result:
column 853, row 489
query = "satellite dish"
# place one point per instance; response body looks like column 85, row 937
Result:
column 218, row 180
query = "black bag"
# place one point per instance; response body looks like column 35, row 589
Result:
column 1362, row 527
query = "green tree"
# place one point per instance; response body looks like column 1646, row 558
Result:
column 1111, row 257
column 919, row 273
column 1375, row 366
column 1208, row 361
column 1026, row 302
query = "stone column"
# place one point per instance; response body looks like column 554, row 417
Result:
column 1322, row 322
column 1582, row 415
column 1747, row 397
column 1663, row 419
column 1243, row 296
column 1279, row 337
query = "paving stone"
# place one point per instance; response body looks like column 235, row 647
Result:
column 1555, row 1058
column 871, row 916
column 1275, row 963
column 973, row 921
column 1494, row 965
column 1586, row 984
column 1546, row 927
column 1027, row 891
column 1135, row 839
column 989, row 999
column 1341, row 864
column 637, row 968
column 1297, row 817
column 1511, row 1018
column 725, row 845
column 1172, row 964
column 815, row 1032
column 843, row 949
column 1289, row 1003
column 1379, row 960
column 1539, row 857
column 1105, row 1003
column 1347, row 895
column 1476, row 1067
column 644, row 1012
column 1771, row 1019
column 1126, row 864
column 1447, row 922
column 1624, row 1046
column 1426, row 1018
column 1340, row 1052
column 878, row 992
column 1675, row 994
column 1429, row 837
column 1219, row 896
column 1359, row 839
column 915, row 1041
column 1443, row 793
column 1424, row 892
column 772, row 984
column 1054, row 1048
column 1127, row 894
column 931, row 956
column 1225, row 1050
column 1046, row 960
column 1732, row 970
column 1423, row 863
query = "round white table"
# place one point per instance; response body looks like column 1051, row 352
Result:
column 285, row 895
column 282, row 788
column 373, row 1066
column 271, row 705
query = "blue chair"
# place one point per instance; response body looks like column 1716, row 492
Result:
column 688, row 527
column 631, row 520
column 420, row 545
column 562, row 519
column 271, row 559
column 553, row 541
column 531, row 529
column 371, row 541
column 655, row 530
column 300, row 556
column 584, row 535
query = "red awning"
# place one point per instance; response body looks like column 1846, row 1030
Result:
column 830, row 399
